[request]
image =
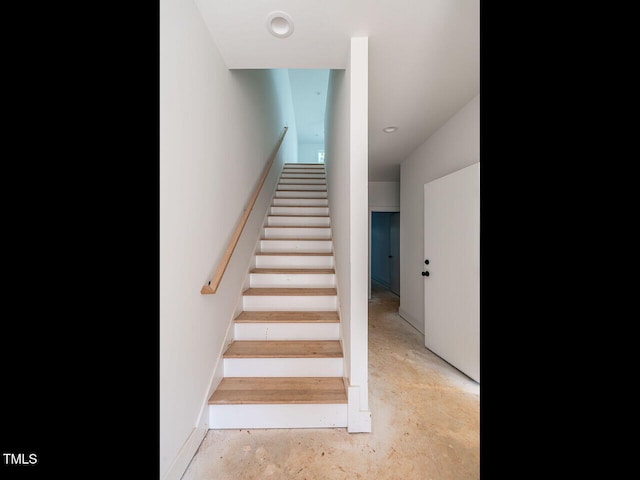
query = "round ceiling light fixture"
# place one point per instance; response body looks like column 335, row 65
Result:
column 390, row 129
column 279, row 24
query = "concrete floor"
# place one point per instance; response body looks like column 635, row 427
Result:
column 425, row 422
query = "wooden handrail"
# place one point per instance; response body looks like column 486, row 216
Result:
column 222, row 266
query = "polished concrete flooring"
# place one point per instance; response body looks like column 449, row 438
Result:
column 425, row 422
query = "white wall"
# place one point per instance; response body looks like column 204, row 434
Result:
column 308, row 152
column 453, row 146
column 384, row 194
column 217, row 128
column 346, row 158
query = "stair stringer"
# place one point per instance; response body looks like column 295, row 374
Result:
column 203, row 421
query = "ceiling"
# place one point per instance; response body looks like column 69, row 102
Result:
column 424, row 58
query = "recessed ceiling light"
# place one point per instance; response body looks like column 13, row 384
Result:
column 390, row 129
column 279, row 24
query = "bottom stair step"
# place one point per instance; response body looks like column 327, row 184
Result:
column 276, row 390
column 293, row 402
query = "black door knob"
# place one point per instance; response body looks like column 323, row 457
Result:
column 426, row 262
column 425, row 274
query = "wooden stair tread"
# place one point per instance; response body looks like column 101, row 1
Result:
column 311, row 254
column 301, row 198
column 291, row 215
column 297, row 190
column 293, row 270
column 277, row 390
column 288, row 317
column 297, row 239
column 284, row 349
column 298, row 226
column 290, row 291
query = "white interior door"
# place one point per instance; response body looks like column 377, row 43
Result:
column 452, row 287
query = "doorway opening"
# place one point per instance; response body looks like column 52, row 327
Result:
column 384, row 248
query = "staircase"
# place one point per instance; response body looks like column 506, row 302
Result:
column 284, row 368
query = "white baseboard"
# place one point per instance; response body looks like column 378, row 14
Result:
column 188, row 450
column 418, row 325
column 279, row 416
column 186, row 453
column 359, row 421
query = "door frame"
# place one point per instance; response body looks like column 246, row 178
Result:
column 393, row 209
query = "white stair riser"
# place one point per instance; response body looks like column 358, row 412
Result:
column 302, row 221
column 298, row 280
column 278, row 416
column 300, row 173
column 301, row 202
column 288, row 168
column 294, row 261
column 295, row 232
column 300, row 186
column 294, row 246
column 288, row 193
column 289, row 174
column 303, row 303
column 303, row 181
column 299, row 210
column 283, row 367
column 287, row 331
column 303, row 165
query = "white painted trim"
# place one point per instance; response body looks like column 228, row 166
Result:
column 359, row 421
column 345, row 364
column 373, row 208
column 218, row 369
column 309, row 193
column 294, row 261
column 307, row 280
column 413, row 321
column 287, row 331
column 305, row 303
column 186, row 453
column 284, row 367
column 280, row 416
